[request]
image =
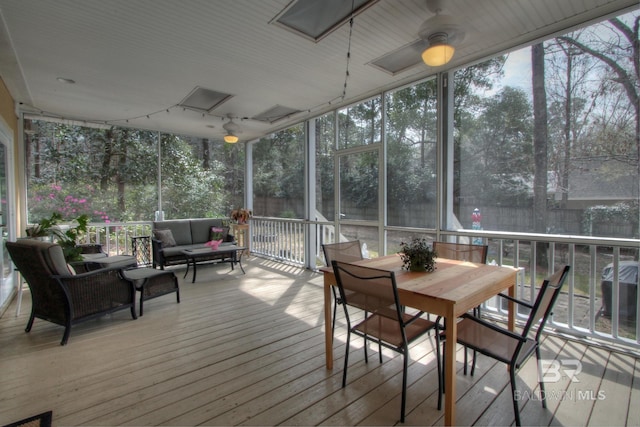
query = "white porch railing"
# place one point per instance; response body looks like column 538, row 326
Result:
column 579, row 312
column 116, row 237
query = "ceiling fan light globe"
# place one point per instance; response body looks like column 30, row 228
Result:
column 231, row 139
column 438, row 54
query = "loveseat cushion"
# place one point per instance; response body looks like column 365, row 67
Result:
column 177, row 250
column 180, row 229
column 201, row 228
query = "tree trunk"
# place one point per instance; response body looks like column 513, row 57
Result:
column 121, row 179
column 106, row 160
column 540, row 137
column 206, row 154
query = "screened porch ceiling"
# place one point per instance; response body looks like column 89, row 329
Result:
column 135, row 63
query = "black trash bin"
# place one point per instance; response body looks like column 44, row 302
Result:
column 628, row 287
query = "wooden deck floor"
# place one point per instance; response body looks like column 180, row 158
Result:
column 248, row 350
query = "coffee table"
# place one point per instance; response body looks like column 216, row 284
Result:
column 225, row 253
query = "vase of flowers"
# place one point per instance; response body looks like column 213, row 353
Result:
column 241, row 216
column 418, row 255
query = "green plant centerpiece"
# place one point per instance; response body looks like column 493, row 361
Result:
column 65, row 234
column 418, row 255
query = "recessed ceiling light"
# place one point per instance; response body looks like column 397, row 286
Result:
column 65, row 80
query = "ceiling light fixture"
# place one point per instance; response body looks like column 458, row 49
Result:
column 439, row 51
column 440, row 32
column 230, row 138
column 231, row 129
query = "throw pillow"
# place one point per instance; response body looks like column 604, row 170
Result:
column 166, row 237
column 219, row 233
column 72, row 271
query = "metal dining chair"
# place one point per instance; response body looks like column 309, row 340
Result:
column 375, row 292
column 342, row 251
column 509, row 347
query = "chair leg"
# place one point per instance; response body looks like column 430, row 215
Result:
column 440, row 369
column 333, row 322
column 516, row 410
column 477, row 313
column 366, row 356
column 405, row 356
column 346, row 360
column 335, row 310
column 543, row 395
column 30, row 322
column 464, row 366
column 473, row 363
column 67, row 332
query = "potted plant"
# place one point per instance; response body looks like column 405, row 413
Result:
column 65, row 234
column 44, row 226
column 418, row 255
column 241, row 216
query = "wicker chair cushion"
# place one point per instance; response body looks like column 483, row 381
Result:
column 54, row 257
column 166, row 237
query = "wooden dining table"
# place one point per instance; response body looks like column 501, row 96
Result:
column 454, row 288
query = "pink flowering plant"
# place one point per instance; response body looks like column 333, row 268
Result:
column 68, row 204
column 63, row 215
column 213, row 244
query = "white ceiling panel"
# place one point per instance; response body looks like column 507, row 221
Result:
column 134, row 61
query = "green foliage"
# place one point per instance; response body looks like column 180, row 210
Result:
column 66, row 235
column 279, row 168
column 418, row 255
column 620, row 212
column 498, row 140
column 287, row 214
column 110, row 174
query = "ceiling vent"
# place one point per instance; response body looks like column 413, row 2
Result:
column 315, row 20
column 400, row 59
column 274, row 114
column 204, row 99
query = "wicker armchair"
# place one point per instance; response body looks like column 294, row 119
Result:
column 62, row 297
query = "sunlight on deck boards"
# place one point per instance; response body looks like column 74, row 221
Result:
column 249, row 350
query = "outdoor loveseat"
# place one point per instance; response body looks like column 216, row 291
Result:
column 172, row 237
column 61, row 296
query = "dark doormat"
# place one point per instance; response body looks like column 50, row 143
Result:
column 40, row 420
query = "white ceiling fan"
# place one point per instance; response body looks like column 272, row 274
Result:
column 232, row 131
column 442, row 33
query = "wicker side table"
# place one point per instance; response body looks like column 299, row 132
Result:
column 141, row 250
